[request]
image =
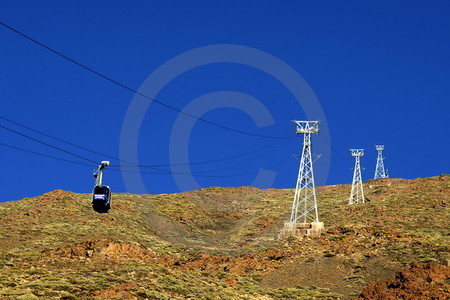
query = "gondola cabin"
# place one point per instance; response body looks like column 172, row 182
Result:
column 101, row 198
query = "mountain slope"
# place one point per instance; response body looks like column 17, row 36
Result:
column 218, row 243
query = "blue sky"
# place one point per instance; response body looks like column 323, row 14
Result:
column 379, row 70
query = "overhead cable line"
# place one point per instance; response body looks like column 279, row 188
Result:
column 95, row 162
column 47, row 144
column 200, row 162
column 45, row 155
column 65, row 142
column 57, row 139
column 152, row 166
column 345, row 157
column 242, row 163
column 196, row 173
column 134, row 90
column 237, row 164
column 207, row 176
column 131, row 171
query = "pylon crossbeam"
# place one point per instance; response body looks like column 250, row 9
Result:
column 307, row 126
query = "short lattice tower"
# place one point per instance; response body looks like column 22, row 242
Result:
column 379, row 170
column 357, row 193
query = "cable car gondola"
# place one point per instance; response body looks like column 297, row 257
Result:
column 101, row 194
column 101, row 199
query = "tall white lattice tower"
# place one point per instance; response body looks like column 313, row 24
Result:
column 379, row 170
column 304, row 207
column 357, row 193
column 304, row 218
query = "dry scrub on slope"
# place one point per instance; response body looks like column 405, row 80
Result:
column 219, row 243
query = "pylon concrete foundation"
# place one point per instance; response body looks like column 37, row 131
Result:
column 313, row 229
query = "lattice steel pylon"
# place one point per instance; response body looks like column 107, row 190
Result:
column 379, row 170
column 304, row 207
column 357, row 193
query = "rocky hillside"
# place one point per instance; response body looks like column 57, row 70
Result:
column 222, row 243
column 421, row 282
